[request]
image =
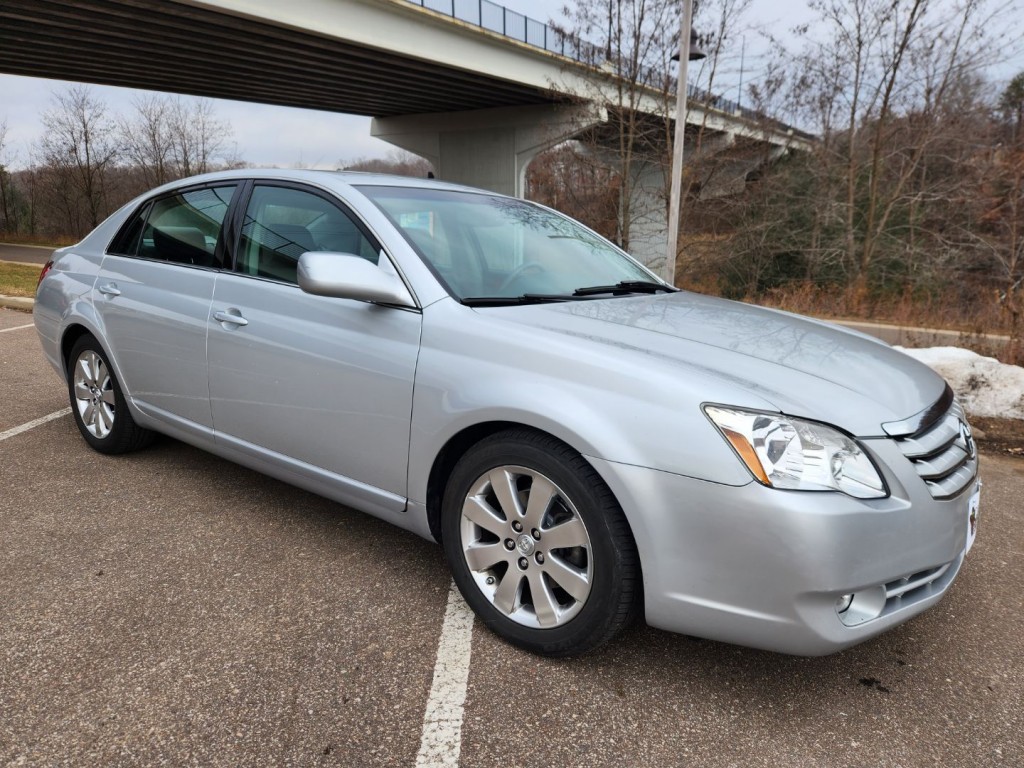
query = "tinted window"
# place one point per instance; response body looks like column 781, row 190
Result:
column 126, row 243
column 282, row 223
column 184, row 228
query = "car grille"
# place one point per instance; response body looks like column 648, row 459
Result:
column 943, row 454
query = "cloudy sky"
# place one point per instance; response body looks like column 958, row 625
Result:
column 268, row 135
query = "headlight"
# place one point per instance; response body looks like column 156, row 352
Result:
column 783, row 452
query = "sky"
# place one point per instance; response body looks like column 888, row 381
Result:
column 268, row 135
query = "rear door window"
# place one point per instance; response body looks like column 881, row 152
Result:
column 183, row 228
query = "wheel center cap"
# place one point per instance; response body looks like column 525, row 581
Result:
column 525, row 544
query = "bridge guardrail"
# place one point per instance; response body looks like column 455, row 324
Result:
column 512, row 24
column 517, row 26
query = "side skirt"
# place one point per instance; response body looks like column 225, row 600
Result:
column 382, row 504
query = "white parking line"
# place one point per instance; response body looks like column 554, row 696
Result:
column 34, row 423
column 441, row 741
column 16, row 328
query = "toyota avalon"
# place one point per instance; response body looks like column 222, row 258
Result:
column 587, row 442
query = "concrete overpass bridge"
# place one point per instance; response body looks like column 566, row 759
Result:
column 479, row 95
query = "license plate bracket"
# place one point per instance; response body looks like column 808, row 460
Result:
column 972, row 517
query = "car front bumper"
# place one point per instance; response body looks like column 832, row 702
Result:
column 764, row 568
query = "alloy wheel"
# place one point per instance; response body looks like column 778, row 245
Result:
column 526, row 547
column 94, row 394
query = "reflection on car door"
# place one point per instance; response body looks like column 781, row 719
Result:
column 153, row 297
column 324, row 382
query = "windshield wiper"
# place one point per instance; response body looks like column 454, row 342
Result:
column 507, row 301
column 626, row 286
column 619, row 289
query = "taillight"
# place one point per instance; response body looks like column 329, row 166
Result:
column 46, row 268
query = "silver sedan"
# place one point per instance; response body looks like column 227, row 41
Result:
column 587, row 443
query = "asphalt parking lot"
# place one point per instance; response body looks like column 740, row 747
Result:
column 170, row 608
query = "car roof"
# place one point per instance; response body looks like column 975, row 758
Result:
column 335, row 179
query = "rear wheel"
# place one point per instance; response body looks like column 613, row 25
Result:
column 538, row 545
column 97, row 401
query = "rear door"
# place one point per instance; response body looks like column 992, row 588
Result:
column 153, row 296
column 316, row 382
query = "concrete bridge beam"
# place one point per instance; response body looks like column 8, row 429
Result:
column 730, row 170
column 487, row 148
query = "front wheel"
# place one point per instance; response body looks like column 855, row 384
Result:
column 538, row 546
column 97, row 402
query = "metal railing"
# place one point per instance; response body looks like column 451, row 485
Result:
column 516, row 26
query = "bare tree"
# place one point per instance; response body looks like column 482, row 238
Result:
column 167, row 138
column 197, row 136
column 721, row 23
column 878, row 77
column 634, row 41
column 1002, row 216
column 1011, row 102
column 88, row 161
column 568, row 178
column 146, row 137
column 397, row 161
column 79, row 147
column 9, row 222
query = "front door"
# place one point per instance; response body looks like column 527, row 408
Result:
column 320, row 381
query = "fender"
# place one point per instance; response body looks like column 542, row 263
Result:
column 455, row 391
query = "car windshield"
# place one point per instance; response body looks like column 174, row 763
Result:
column 497, row 250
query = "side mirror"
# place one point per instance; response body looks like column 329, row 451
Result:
column 345, row 276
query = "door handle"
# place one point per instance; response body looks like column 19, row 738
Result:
column 109, row 289
column 230, row 316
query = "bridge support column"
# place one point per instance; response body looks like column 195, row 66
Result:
column 648, row 226
column 720, row 166
column 486, row 148
column 729, row 173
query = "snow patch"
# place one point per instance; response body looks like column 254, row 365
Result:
column 984, row 386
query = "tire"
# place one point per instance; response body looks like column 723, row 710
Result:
column 98, row 403
column 559, row 600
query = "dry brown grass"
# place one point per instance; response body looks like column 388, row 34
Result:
column 984, row 315
column 49, row 241
column 973, row 320
column 18, row 279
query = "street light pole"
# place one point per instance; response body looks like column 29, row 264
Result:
column 677, row 151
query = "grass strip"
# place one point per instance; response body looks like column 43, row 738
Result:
column 18, row 279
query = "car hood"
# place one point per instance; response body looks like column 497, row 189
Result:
column 797, row 365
